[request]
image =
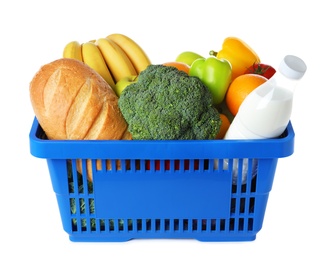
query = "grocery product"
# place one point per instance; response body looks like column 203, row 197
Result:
column 179, row 65
column 215, row 74
column 225, row 124
column 93, row 57
column 238, row 53
column 167, row 104
column 134, row 51
column 266, row 111
column 188, row 57
column 116, row 59
column 261, row 69
column 73, row 50
column 71, row 101
column 240, row 88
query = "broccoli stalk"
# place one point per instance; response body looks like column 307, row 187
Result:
column 168, row 104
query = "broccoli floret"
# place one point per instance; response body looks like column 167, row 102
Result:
column 168, row 104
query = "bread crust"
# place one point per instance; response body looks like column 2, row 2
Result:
column 73, row 102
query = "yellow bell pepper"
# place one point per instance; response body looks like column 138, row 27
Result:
column 238, row 53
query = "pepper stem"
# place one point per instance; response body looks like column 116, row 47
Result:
column 213, row 53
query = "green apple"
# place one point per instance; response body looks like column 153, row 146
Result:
column 123, row 83
column 188, row 57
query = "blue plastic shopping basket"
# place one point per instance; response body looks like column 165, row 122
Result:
column 121, row 190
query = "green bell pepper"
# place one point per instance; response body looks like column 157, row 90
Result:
column 215, row 73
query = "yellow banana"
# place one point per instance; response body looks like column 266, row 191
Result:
column 135, row 53
column 92, row 56
column 116, row 59
column 73, row 50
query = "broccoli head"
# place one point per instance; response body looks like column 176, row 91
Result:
column 168, row 104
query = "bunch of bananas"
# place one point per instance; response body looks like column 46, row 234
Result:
column 114, row 57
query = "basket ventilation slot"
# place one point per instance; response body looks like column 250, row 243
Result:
column 83, row 218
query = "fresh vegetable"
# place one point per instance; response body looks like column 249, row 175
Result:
column 167, row 104
column 188, row 57
column 261, row 69
column 238, row 53
column 215, row 74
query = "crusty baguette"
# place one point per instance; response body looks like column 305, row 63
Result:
column 73, row 102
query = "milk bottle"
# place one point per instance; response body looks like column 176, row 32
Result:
column 266, row 111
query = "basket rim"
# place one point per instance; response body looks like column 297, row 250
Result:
column 160, row 149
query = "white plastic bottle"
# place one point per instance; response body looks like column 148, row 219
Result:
column 266, row 111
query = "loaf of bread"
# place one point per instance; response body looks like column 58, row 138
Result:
column 73, row 102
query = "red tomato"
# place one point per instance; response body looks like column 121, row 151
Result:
column 262, row 69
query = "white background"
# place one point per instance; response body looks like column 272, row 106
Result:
column 34, row 33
